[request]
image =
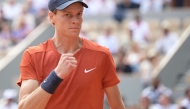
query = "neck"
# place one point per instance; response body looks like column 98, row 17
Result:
column 67, row 44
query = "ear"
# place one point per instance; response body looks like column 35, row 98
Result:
column 51, row 17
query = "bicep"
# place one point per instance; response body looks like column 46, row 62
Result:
column 27, row 87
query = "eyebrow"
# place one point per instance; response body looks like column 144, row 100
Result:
column 70, row 12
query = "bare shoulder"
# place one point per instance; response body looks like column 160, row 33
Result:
column 27, row 87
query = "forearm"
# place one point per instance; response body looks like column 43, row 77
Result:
column 118, row 105
column 36, row 100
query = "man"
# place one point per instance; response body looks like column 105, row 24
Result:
column 165, row 103
column 109, row 40
column 144, row 103
column 8, row 99
column 139, row 31
column 8, row 8
column 67, row 72
column 185, row 103
column 166, row 42
column 121, row 9
column 155, row 90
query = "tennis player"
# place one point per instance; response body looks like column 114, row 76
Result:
column 67, row 71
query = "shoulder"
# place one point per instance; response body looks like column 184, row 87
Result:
column 184, row 102
column 173, row 35
column 38, row 49
column 93, row 46
column 34, row 53
column 147, row 91
column 165, row 90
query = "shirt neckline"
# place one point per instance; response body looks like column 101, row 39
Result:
column 55, row 50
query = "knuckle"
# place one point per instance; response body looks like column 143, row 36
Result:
column 65, row 58
column 67, row 61
column 63, row 55
column 70, row 65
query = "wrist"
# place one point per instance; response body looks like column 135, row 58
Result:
column 59, row 73
column 51, row 83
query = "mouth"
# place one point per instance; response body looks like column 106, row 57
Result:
column 75, row 28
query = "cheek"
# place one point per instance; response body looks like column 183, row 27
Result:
column 63, row 24
column 81, row 20
column 62, row 28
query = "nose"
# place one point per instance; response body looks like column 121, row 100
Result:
column 75, row 20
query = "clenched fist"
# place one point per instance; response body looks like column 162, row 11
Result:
column 66, row 64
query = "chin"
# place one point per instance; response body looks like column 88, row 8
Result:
column 74, row 35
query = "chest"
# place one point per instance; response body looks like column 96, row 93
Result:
column 90, row 68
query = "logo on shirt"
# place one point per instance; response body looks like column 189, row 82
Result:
column 45, row 80
column 87, row 71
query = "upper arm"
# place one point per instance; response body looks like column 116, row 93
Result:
column 114, row 97
column 27, row 87
column 109, row 77
column 28, row 81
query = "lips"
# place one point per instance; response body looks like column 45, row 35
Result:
column 74, row 28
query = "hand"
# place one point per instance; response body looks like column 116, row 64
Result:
column 66, row 64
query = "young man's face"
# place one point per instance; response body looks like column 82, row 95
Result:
column 69, row 20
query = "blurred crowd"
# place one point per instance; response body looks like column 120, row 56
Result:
column 158, row 96
column 137, row 45
column 9, row 99
column 16, row 25
column 140, row 55
column 118, row 8
column 17, row 20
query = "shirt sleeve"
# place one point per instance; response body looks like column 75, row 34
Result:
column 27, row 68
column 110, row 77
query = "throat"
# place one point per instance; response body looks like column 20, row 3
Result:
column 68, row 46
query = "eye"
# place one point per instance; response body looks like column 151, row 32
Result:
column 68, row 15
column 79, row 14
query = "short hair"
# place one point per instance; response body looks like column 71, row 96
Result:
column 55, row 11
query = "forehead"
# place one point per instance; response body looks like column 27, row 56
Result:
column 74, row 7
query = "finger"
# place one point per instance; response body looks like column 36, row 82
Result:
column 64, row 59
column 72, row 66
column 73, row 62
column 67, row 55
column 70, row 58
